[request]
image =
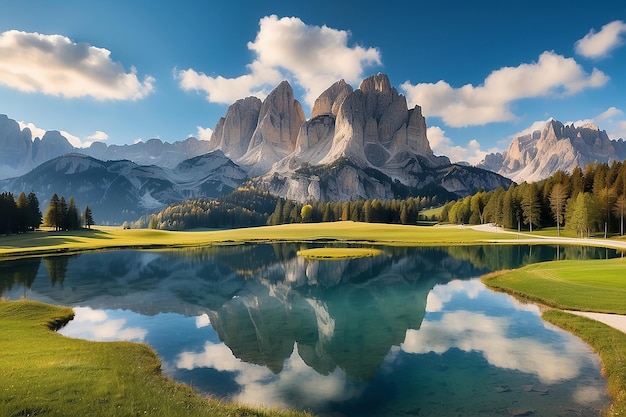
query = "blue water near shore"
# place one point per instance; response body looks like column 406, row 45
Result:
column 412, row 332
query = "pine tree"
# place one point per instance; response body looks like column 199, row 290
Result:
column 558, row 200
column 531, row 206
column 73, row 217
column 22, row 213
column 620, row 209
column 34, row 214
column 89, row 218
column 52, row 213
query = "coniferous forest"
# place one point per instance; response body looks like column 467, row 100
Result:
column 23, row 215
column 590, row 200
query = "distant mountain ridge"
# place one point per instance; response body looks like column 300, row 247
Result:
column 119, row 191
column 537, row 155
column 20, row 152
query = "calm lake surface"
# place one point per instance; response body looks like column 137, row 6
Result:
column 412, row 332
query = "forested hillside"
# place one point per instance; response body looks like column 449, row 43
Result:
column 587, row 201
column 250, row 207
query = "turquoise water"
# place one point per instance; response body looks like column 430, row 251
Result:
column 412, row 332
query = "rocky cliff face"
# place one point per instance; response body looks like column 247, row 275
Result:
column 362, row 143
column 274, row 138
column 539, row 154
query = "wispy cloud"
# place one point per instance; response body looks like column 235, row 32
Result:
column 56, row 65
column 599, row 44
column 551, row 76
column 312, row 56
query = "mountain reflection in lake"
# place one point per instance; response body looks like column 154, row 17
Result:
column 410, row 332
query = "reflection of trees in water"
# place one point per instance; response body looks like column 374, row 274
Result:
column 57, row 268
column 496, row 257
column 18, row 272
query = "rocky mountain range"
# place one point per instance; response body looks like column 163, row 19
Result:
column 20, row 152
column 360, row 143
column 363, row 143
column 537, row 155
column 119, row 191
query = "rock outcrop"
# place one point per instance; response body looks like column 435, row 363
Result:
column 537, row 155
column 233, row 132
column 274, row 138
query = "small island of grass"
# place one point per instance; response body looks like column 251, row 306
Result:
column 332, row 254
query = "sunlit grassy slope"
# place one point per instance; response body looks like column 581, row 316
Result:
column 108, row 237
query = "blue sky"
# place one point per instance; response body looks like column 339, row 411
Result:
column 483, row 71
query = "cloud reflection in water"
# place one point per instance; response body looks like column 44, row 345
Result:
column 490, row 335
column 96, row 325
column 297, row 382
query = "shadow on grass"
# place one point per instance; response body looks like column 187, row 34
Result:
column 51, row 238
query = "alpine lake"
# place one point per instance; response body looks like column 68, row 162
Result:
column 410, row 332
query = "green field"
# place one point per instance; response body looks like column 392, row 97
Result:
column 42, row 243
column 592, row 285
column 44, row 373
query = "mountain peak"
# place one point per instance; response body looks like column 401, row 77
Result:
column 379, row 82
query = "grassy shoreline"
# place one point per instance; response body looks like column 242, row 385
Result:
column 590, row 285
column 107, row 238
column 48, row 374
column 173, row 397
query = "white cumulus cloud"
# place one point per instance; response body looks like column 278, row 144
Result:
column 551, row 76
column 599, row 44
column 312, row 56
column 204, row 133
column 56, row 65
column 98, row 136
column 443, row 145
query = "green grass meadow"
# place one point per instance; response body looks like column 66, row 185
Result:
column 590, row 285
column 44, row 373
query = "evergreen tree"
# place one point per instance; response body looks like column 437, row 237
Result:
column 287, row 209
column 582, row 214
column 606, row 198
column 558, row 200
column 34, row 213
column 277, row 215
column 620, row 209
column 52, row 213
column 531, row 208
column 73, row 217
column 22, row 213
column 345, row 211
column 89, row 218
column 8, row 213
column 62, row 214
